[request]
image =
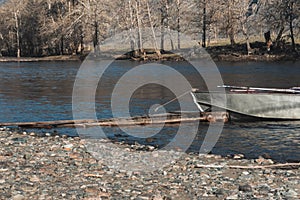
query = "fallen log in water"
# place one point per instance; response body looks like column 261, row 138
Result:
column 169, row 118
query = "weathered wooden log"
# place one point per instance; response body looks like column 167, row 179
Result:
column 46, row 123
column 168, row 119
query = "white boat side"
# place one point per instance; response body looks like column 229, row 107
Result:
column 263, row 105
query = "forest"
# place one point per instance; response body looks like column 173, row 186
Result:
column 70, row 27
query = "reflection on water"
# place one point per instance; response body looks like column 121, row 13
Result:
column 43, row 91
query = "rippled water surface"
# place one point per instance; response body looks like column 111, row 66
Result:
column 40, row 91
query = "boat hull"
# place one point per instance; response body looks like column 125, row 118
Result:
column 258, row 105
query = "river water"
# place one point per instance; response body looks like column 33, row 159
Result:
column 41, row 91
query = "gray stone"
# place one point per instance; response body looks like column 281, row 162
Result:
column 290, row 194
column 245, row 188
column 18, row 197
column 48, row 134
column 233, row 197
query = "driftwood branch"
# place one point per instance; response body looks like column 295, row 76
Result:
column 278, row 166
column 93, row 175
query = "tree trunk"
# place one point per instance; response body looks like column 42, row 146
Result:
column 69, row 6
column 230, row 30
column 164, row 18
column 178, row 25
column 132, row 43
column 17, row 35
column 162, row 37
column 140, row 42
column 232, row 41
column 245, row 32
column 168, row 24
column 81, row 41
column 279, row 36
column 96, row 38
column 62, row 45
column 292, row 36
column 152, row 29
column 204, row 25
column 231, row 36
column 171, row 40
column 49, row 4
column 291, row 18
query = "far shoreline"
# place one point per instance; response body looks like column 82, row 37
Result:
column 41, row 59
column 229, row 56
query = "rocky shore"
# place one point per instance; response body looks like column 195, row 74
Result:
column 60, row 167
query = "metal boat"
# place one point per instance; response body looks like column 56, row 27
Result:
column 264, row 103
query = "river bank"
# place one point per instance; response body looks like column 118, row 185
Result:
column 59, row 167
column 228, row 53
column 258, row 52
column 231, row 57
column 40, row 59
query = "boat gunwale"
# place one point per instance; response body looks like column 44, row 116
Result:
column 247, row 92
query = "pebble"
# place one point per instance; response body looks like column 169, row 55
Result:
column 151, row 148
column 262, row 160
column 34, row 178
column 220, row 192
column 233, row 197
column 245, row 173
column 18, row 197
column 245, row 188
column 264, row 188
column 68, row 147
column 48, row 134
column 55, row 167
column 32, row 134
column 290, row 194
column 238, row 156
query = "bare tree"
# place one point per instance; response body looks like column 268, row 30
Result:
column 152, row 28
column 13, row 11
column 290, row 14
column 282, row 16
column 247, row 13
column 231, row 18
column 139, row 24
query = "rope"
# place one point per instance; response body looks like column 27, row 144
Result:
column 172, row 100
